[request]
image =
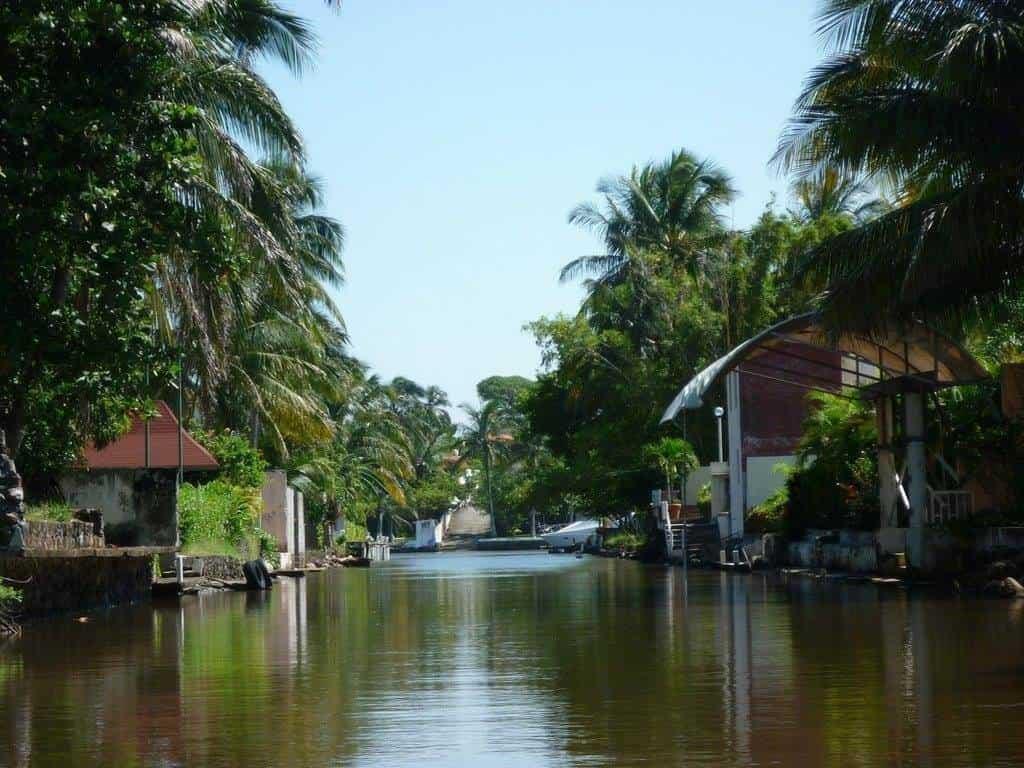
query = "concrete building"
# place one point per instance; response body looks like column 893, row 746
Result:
column 430, row 533
column 766, row 379
column 133, row 481
column 284, row 518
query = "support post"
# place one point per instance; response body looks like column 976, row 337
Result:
column 737, row 475
column 889, row 517
column 917, row 479
column 720, row 497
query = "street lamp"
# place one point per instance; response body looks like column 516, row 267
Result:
column 719, row 413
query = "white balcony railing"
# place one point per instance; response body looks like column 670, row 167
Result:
column 949, row 505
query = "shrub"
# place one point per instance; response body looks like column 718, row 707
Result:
column 218, row 518
column 769, row 515
column 52, row 511
column 354, row 531
column 266, row 546
column 835, row 482
column 704, row 501
column 10, row 598
column 240, row 463
column 631, row 542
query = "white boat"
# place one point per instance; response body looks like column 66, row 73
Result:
column 571, row 535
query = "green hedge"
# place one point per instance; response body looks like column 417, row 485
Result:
column 52, row 511
column 219, row 518
column 240, row 463
column 631, row 542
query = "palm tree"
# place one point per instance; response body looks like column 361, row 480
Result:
column 828, row 193
column 926, row 93
column 670, row 210
column 257, row 330
column 216, row 44
column 673, row 456
column 261, row 342
column 485, row 438
column 422, row 411
column 369, row 456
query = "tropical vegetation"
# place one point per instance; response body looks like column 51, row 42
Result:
column 922, row 96
column 166, row 238
column 674, row 289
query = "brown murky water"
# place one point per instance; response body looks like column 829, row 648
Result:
column 523, row 660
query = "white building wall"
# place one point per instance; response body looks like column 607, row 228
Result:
column 284, row 518
column 697, row 480
column 299, row 553
column 429, row 533
column 289, row 518
column 764, row 476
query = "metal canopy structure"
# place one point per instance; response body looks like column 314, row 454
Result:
column 916, row 358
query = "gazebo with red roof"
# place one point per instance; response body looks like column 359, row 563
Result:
column 133, row 480
column 155, row 448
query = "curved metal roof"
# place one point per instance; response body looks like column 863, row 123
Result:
column 914, row 358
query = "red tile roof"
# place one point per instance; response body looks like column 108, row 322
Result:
column 129, row 450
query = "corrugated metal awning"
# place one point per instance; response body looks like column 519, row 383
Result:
column 917, row 357
column 129, row 450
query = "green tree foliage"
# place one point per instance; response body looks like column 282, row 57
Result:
column 827, row 194
column 672, row 209
column 926, row 95
column 160, row 216
column 487, row 437
column 674, row 457
column 240, row 463
column 94, row 155
column 260, row 342
column 368, row 459
column 219, row 518
column 674, row 293
column 509, row 391
column 835, row 482
column 518, row 476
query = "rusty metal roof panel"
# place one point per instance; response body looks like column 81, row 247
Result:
column 129, row 450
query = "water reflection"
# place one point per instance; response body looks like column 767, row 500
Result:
column 531, row 660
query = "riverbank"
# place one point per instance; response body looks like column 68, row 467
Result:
column 648, row 666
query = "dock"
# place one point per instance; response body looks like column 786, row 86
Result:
column 511, row 544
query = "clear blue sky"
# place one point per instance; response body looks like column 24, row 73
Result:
column 455, row 135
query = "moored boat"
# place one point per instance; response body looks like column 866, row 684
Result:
column 572, row 535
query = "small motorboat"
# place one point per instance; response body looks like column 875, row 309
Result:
column 571, row 536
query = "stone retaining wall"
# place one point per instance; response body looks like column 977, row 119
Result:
column 52, row 536
column 863, row 552
column 65, row 584
column 850, row 551
column 219, row 567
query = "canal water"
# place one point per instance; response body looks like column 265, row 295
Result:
column 523, row 660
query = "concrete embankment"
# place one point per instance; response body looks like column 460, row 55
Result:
column 511, row 544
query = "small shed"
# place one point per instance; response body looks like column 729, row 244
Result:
column 133, row 481
column 429, row 534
